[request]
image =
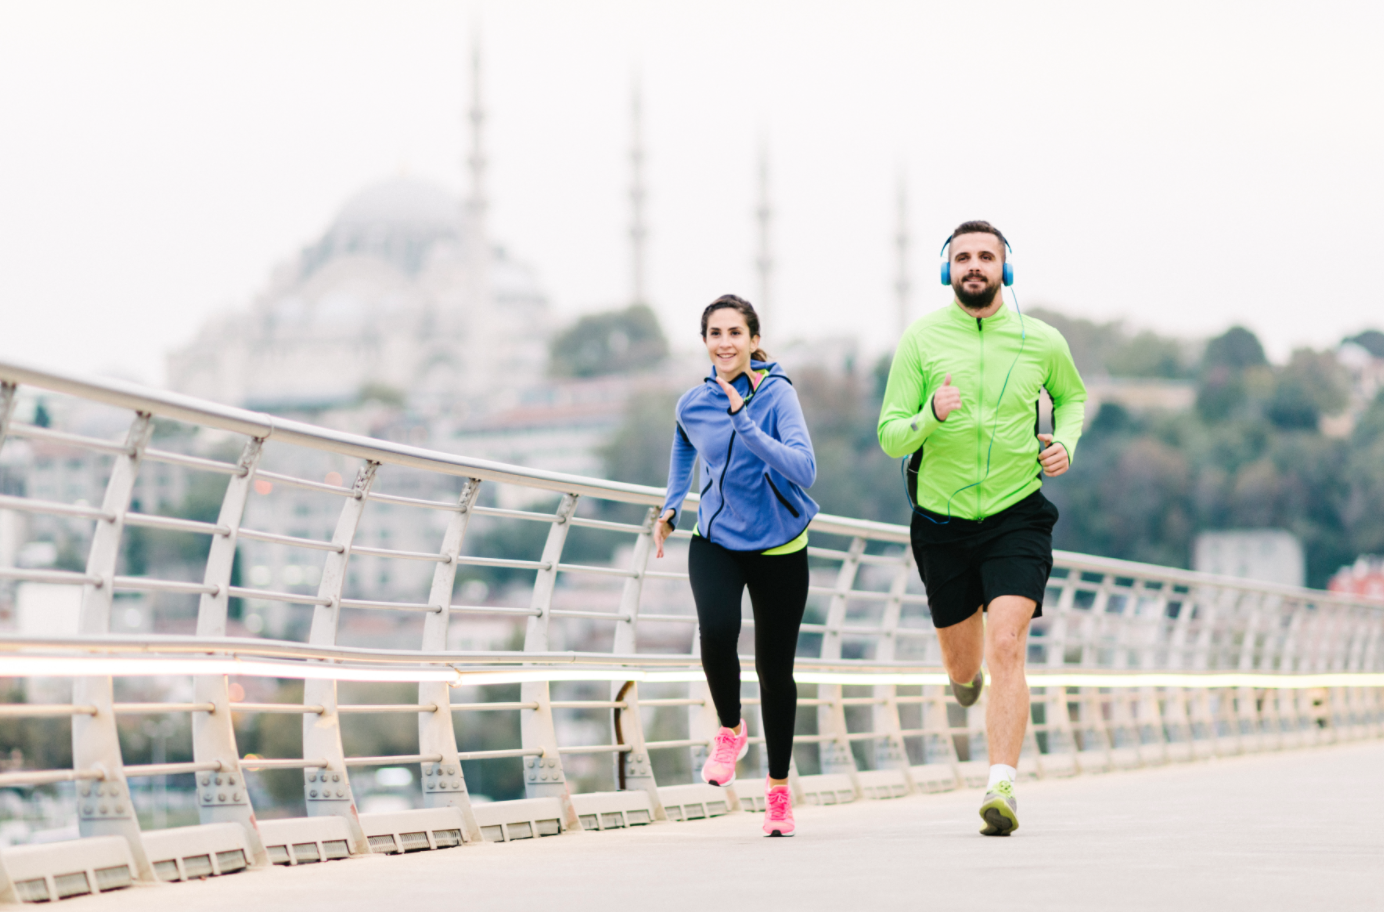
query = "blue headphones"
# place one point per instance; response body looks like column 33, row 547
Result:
column 946, row 263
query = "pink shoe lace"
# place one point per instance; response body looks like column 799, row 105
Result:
column 726, row 750
column 778, row 816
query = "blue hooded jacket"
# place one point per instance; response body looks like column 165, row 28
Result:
column 755, row 463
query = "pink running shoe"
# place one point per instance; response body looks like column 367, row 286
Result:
column 726, row 749
column 778, row 816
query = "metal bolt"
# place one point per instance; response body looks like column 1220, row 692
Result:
column 312, row 794
column 220, row 796
column 102, row 809
column 230, row 780
column 336, row 777
column 451, row 771
column 120, row 808
column 341, row 793
column 87, row 808
column 312, row 776
column 206, row 780
column 206, row 796
column 218, row 780
column 100, row 790
column 84, row 790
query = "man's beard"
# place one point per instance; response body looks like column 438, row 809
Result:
column 976, row 300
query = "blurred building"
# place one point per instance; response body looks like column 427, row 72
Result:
column 403, row 297
column 1264, row 555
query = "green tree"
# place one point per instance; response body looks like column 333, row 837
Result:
column 614, row 342
column 1109, row 349
column 639, row 450
column 1312, row 384
column 1231, row 367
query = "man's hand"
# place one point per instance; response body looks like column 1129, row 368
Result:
column 1053, row 457
column 946, row 400
column 736, row 400
column 662, row 530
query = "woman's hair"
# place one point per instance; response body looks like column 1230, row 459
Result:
column 745, row 309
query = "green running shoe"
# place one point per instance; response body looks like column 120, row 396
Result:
column 1000, row 810
column 968, row 694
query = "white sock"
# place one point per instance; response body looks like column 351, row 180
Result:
column 999, row 771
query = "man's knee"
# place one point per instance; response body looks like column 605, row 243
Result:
column 1007, row 632
column 1006, row 649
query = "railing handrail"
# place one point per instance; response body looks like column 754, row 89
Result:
column 176, row 406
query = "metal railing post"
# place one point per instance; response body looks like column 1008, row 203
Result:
column 328, row 790
column 1246, row 701
column 9, row 397
column 1057, row 715
column 836, row 755
column 633, row 769
column 890, row 752
column 443, row 782
column 222, row 797
column 1092, row 701
column 543, row 775
column 104, row 807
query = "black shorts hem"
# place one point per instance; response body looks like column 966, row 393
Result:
column 967, row 566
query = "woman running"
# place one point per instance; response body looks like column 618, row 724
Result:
column 745, row 423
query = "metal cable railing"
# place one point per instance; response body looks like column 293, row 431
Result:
column 1130, row 664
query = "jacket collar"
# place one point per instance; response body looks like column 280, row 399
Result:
column 998, row 318
column 742, row 382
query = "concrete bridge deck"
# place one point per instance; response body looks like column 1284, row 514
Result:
column 1281, row 831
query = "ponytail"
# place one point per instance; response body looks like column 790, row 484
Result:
column 745, row 309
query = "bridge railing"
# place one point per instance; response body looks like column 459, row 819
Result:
column 1130, row 663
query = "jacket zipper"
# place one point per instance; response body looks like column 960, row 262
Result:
column 781, row 498
column 722, row 485
column 980, row 414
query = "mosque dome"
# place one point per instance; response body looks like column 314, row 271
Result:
column 398, row 221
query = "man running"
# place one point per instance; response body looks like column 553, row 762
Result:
column 963, row 399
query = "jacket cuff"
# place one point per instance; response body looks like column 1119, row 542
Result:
column 741, row 419
column 926, row 421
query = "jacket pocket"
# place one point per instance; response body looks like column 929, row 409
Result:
column 788, row 506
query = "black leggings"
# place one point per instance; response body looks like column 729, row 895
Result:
column 778, row 593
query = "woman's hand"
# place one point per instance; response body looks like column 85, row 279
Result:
column 662, row 530
column 736, row 400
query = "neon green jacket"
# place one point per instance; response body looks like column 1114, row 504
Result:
column 978, row 354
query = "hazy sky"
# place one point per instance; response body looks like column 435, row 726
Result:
column 1183, row 166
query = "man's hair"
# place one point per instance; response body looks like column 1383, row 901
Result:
column 982, row 227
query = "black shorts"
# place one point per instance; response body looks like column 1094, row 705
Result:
column 966, row 564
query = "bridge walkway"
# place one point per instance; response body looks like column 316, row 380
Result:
column 1282, row 831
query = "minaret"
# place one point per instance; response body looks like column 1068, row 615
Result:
column 479, row 320
column 478, row 204
column 764, row 262
column 639, row 231
column 902, row 285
